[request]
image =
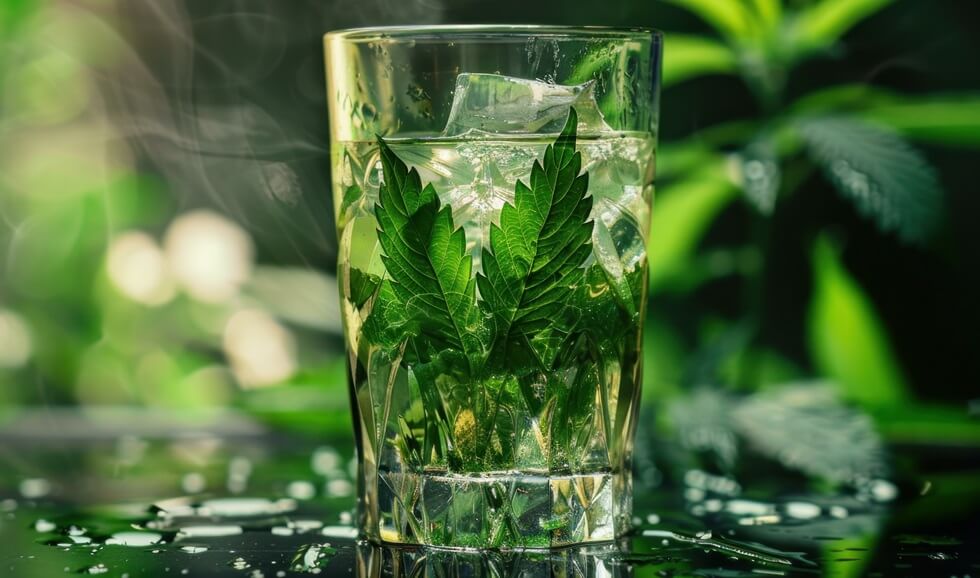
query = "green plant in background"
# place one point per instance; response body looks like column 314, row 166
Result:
column 75, row 336
column 859, row 139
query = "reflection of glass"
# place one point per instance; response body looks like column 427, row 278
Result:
column 581, row 562
column 492, row 188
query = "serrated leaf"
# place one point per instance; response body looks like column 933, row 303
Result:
column 536, row 252
column 806, row 428
column 387, row 325
column 847, row 340
column 425, row 255
column 687, row 56
column 887, row 180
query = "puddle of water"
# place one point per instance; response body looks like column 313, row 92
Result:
column 258, row 514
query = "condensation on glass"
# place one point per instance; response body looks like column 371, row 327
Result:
column 534, row 449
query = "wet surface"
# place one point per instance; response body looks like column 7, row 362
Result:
column 211, row 504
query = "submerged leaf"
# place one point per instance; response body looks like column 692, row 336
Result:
column 429, row 268
column 888, row 180
column 536, row 253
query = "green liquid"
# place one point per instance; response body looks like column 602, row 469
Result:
column 520, row 456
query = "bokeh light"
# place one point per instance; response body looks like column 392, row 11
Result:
column 261, row 351
column 15, row 340
column 138, row 269
column 210, row 256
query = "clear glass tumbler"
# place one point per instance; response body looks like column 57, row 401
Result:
column 492, row 188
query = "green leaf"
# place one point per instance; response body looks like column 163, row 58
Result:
column 387, row 324
column 841, row 97
column 689, row 56
column 770, row 12
column 599, row 57
column 426, row 259
column 805, row 427
column 675, row 160
column 351, row 195
column 919, row 423
column 860, row 552
column 950, row 120
column 847, row 341
column 362, row 286
column 729, row 17
column 13, row 13
column 888, row 180
column 681, row 215
column 535, row 254
column 821, row 24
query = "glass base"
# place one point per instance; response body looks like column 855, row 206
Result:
column 499, row 510
column 590, row 561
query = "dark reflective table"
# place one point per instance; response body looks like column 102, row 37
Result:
column 130, row 495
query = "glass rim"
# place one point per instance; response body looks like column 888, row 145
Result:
column 505, row 32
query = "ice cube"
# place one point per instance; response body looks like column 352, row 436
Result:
column 491, row 103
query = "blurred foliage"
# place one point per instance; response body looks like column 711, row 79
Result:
column 117, row 290
column 857, row 139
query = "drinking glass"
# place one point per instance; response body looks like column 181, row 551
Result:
column 492, row 189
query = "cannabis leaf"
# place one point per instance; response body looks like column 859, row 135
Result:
column 425, row 255
column 351, row 195
column 361, row 286
column 888, row 180
column 536, row 252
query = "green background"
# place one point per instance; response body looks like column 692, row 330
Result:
column 167, row 238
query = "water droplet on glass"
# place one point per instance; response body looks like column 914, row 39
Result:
column 97, row 569
column 240, row 564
